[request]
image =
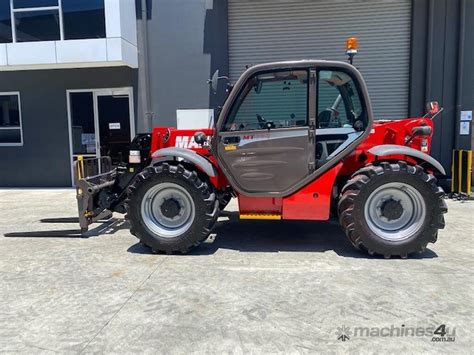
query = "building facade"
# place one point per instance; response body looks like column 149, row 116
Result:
column 82, row 77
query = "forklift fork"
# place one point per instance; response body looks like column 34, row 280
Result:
column 89, row 183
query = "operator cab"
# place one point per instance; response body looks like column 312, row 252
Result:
column 286, row 122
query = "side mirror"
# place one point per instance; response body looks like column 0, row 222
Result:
column 432, row 108
column 214, row 81
column 200, row 138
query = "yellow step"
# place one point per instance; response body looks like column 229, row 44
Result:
column 264, row 216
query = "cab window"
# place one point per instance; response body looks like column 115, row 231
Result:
column 271, row 100
column 341, row 117
column 338, row 102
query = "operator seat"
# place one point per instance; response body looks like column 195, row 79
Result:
column 324, row 118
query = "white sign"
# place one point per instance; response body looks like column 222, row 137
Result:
column 466, row 115
column 464, row 128
column 114, row 125
column 194, row 118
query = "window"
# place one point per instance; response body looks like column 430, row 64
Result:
column 271, row 100
column 22, row 4
column 339, row 103
column 51, row 20
column 83, row 19
column 37, row 26
column 36, row 20
column 10, row 119
column 5, row 22
column 341, row 116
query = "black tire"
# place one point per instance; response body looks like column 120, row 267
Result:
column 202, row 195
column 356, row 192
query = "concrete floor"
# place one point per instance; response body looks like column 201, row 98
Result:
column 259, row 287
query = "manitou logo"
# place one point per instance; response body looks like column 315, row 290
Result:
column 188, row 142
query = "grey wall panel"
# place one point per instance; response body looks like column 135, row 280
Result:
column 187, row 41
column 442, row 69
column 466, row 95
column 44, row 158
column 263, row 31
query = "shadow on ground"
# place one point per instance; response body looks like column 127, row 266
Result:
column 105, row 227
column 235, row 234
column 277, row 236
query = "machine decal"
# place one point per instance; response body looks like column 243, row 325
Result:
column 187, row 142
column 277, row 134
column 273, row 134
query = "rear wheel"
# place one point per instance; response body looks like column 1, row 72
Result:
column 170, row 208
column 392, row 209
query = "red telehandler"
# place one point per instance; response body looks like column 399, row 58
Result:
column 294, row 140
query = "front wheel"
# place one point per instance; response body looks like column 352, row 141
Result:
column 170, row 208
column 392, row 209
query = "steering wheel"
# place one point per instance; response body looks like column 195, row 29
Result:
column 327, row 118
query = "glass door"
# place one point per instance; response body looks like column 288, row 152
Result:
column 101, row 123
column 83, row 124
column 115, row 129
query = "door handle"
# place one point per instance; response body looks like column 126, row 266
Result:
column 231, row 140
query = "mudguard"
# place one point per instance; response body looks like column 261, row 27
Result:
column 188, row 155
column 393, row 149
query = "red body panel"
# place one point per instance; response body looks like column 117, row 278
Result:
column 272, row 205
column 388, row 132
column 313, row 201
column 165, row 137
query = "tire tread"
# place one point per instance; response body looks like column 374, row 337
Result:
column 205, row 192
column 359, row 180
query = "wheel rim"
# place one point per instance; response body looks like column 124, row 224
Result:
column 395, row 211
column 168, row 210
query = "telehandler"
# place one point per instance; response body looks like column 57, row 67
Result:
column 294, row 140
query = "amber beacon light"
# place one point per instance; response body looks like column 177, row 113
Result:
column 352, row 46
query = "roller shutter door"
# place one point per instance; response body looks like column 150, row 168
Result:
column 264, row 31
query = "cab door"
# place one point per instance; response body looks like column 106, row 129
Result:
column 266, row 143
